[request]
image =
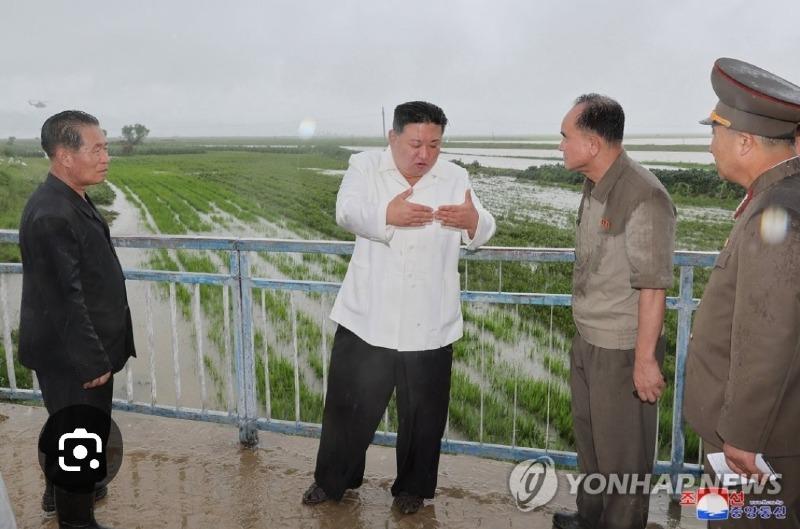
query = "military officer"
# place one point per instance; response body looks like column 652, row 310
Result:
column 743, row 366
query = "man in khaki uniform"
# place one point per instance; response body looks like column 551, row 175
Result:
column 623, row 264
column 743, row 366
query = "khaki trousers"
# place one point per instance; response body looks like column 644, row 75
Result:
column 615, row 432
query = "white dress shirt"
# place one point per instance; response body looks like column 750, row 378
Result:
column 402, row 289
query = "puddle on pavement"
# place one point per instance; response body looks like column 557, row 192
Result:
column 193, row 475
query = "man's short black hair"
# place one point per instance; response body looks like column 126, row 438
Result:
column 417, row 112
column 64, row 129
column 601, row 115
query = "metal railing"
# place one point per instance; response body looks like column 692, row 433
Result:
column 238, row 285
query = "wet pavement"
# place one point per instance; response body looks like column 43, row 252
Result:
column 188, row 474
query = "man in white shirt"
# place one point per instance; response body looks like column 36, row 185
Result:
column 6, row 512
column 399, row 307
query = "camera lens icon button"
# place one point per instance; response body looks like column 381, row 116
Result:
column 79, row 452
column 80, row 448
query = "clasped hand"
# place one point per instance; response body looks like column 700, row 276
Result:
column 99, row 381
column 648, row 380
column 400, row 212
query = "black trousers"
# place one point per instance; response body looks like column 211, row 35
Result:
column 361, row 381
column 62, row 390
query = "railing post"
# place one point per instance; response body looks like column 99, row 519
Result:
column 685, row 307
column 8, row 345
column 246, row 409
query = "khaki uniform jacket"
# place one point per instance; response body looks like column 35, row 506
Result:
column 624, row 242
column 743, row 365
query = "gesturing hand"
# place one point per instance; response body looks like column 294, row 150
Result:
column 401, row 212
column 463, row 216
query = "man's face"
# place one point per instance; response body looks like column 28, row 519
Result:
column 575, row 143
column 416, row 149
column 723, row 148
column 89, row 164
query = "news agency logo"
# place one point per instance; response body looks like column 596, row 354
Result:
column 533, row 483
column 714, row 504
column 720, row 503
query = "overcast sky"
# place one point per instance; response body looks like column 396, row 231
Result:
column 242, row 68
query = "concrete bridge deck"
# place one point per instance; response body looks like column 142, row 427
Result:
column 194, row 475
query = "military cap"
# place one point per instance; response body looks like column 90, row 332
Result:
column 754, row 100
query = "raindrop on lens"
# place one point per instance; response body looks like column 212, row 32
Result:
column 774, row 225
column 306, row 129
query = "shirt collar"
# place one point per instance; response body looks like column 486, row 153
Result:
column 601, row 189
column 387, row 164
column 86, row 206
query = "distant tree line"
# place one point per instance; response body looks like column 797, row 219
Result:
column 685, row 182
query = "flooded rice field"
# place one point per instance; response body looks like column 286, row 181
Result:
column 640, row 156
column 523, row 158
column 633, row 140
column 509, row 197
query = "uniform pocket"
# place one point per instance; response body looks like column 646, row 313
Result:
column 604, row 258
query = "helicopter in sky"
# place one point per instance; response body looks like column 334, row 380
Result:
column 37, row 103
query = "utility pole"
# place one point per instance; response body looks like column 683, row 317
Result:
column 383, row 117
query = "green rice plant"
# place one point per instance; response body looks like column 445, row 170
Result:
column 309, row 340
column 536, row 397
column 465, row 406
column 501, row 324
column 22, row 374
column 281, row 378
column 17, row 183
column 556, row 366
column 218, row 382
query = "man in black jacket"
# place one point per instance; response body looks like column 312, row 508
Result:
column 75, row 325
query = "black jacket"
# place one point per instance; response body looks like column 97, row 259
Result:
column 74, row 313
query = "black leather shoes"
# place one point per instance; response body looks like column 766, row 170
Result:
column 572, row 520
column 76, row 511
column 407, row 503
column 314, row 495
